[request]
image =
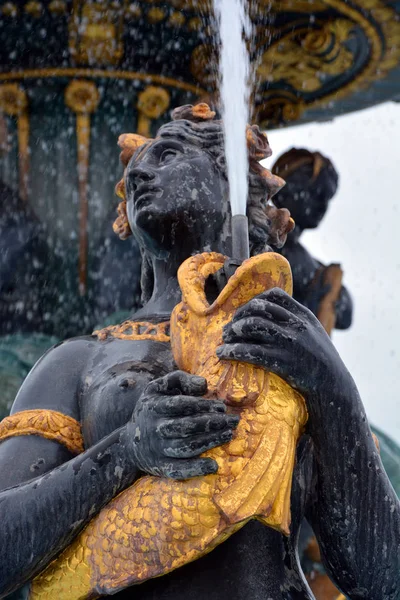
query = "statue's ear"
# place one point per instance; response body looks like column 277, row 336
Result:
column 129, row 143
column 121, row 224
column 257, row 143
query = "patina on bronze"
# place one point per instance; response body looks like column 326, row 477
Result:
column 176, row 204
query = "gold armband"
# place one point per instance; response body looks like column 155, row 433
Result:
column 49, row 424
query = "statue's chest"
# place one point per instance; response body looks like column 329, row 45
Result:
column 116, row 380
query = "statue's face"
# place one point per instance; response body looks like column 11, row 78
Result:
column 306, row 200
column 176, row 197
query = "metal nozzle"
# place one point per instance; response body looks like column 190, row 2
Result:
column 240, row 238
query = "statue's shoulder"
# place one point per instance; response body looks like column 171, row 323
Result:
column 54, row 380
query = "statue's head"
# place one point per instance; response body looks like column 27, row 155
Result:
column 311, row 182
column 175, row 190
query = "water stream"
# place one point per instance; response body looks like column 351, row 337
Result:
column 234, row 27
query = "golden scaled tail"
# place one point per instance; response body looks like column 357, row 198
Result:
column 158, row 524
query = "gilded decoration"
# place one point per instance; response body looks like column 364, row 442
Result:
column 306, row 63
column 159, row 524
column 82, row 97
column 9, row 9
column 49, row 424
column 13, row 99
column 14, row 103
column 58, row 7
column 96, row 32
column 315, row 63
column 177, row 19
column 152, row 104
column 309, row 63
column 134, row 11
column 203, row 64
column 156, row 14
column 304, row 58
column 103, row 74
column 132, row 330
column 34, row 8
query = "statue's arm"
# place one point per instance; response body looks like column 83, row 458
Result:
column 355, row 512
column 48, row 494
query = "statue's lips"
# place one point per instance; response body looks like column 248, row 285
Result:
column 145, row 194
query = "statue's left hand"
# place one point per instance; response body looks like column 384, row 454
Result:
column 277, row 333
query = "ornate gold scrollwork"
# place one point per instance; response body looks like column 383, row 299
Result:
column 10, row 9
column 34, row 8
column 134, row 11
column 82, row 97
column 200, row 6
column 302, row 58
column 58, row 7
column 177, row 19
column 102, row 73
column 152, row 104
column 96, row 32
column 298, row 5
column 156, row 14
column 14, row 103
column 203, row 65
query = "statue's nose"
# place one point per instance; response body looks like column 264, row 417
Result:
column 141, row 174
column 138, row 177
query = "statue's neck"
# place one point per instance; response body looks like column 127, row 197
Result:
column 166, row 291
column 294, row 236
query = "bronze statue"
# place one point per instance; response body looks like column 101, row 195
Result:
column 99, row 413
column 311, row 182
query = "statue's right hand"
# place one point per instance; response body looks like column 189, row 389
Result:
column 172, row 425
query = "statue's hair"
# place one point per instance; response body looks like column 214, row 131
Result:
column 296, row 159
column 195, row 125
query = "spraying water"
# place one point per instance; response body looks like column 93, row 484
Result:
column 234, row 91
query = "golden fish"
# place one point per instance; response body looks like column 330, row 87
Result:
column 160, row 524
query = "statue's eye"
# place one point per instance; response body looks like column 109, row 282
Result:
column 167, row 155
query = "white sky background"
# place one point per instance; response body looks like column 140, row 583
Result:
column 362, row 232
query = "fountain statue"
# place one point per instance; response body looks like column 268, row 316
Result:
column 311, row 183
column 194, row 482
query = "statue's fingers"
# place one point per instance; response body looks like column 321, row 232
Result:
column 280, row 298
column 254, row 329
column 194, row 446
column 181, row 406
column 178, row 382
column 187, row 468
column 187, row 426
column 261, row 307
column 270, row 357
